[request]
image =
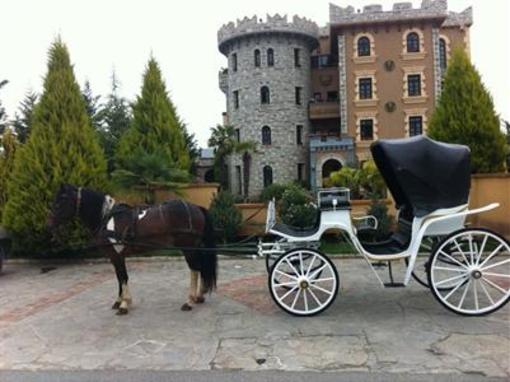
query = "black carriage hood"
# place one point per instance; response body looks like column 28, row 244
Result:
column 424, row 174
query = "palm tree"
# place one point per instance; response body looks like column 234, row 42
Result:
column 223, row 140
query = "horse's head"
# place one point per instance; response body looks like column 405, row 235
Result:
column 65, row 205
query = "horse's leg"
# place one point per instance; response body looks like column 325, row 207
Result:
column 114, row 258
column 119, row 263
column 200, row 299
column 194, row 275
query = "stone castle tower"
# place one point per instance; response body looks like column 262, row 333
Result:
column 268, row 88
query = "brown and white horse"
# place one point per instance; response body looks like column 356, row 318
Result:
column 114, row 226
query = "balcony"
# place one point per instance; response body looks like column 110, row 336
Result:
column 329, row 142
column 324, row 110
column 223, row 80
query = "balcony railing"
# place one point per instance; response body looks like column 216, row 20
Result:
column 324, row 110
column 330, row 141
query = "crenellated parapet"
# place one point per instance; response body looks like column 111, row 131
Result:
column 273, row 24
column 374, row 13
column 460, row 19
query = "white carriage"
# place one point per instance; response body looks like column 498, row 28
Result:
column 467, row 269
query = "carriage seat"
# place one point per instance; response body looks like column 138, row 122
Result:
column 297, row 231
column 398, row 241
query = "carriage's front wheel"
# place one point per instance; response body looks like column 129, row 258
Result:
column 303, row 282
column 475, row 265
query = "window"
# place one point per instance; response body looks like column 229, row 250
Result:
column 268, row 176
column 413, row 42
column 363, row 46
column 265, row 97
column 414, row 85
column 366, row 129
column 236, row 99
column 297, row 58
column 442, row 53
column 415, row 126
column 332, row 96
column 365, row 88
column 270, row 57
column 239, row 180
column 298, row 95
column 234, row 62
column 238, row 135
column 266, row 135
column 300, row 172
column 257, row 58
column 299, row 134
column 317, row 97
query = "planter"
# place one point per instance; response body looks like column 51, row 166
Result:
column 200, row 194
column 256, row 214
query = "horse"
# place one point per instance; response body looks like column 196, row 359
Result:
column 118, row 228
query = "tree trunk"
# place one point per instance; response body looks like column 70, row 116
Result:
column 246, row 173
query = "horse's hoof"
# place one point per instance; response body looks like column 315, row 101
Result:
column 199, row 299
column 116, row 305
column 186, row 307
column 122, row 312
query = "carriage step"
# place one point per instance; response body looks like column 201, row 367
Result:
column 394, row 285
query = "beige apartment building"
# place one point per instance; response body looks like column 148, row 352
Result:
column 372, row 73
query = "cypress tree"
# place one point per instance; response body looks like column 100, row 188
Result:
column 22, row 123
column 92, row 105
column 3, row 114
column 62, row 148
column 465, row 114
column 8, row 146
column 155, row 128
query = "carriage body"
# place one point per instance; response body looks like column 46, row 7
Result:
column 430, row 183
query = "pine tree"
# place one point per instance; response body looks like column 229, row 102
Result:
column 92, row 104
column 7, row 150
column 155, row 128
column 62, row 148
column 3, row 114
column 465, row 114
column 116, row 118
column 22, row 122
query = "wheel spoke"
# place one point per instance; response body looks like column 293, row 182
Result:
column 305, row 299
column 450, row 269
column 301, row 263
column 464, row 294
column 453, row 259
column 461, row 251
column 450, row 279
column 288, row 292
column 321, row 289
column 503, row 275
column 286, row 284
column 496, row 264
column 314, row 297
column 480, row 252
column 471, row 252
column 292, row 267
column 285, row 274
column 493, row 253
column 486, row 292
column 461, row 282
column 318, row 270
column 494, row 285
column 475, row 294
column 310, row 265
column 320, row 280
column 295, row 299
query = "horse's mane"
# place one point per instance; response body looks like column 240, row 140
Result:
column 91, row 208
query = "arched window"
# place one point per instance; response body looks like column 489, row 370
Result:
column 257, row 58
column 266, row 135
column 442, row 53
column 268, row 175
column 270, row 57
column 363, row 46
column 413, row 42
column 265, row 97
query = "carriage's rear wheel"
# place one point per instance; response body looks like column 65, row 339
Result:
column 303, row 282
column 474, row 264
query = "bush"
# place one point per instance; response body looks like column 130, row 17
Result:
column 273, row 191
column 346, row 177
column 371, row 181
column 379, row 209
column 225, row 216
column 297, row 208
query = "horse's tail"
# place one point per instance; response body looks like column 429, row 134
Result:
column 208, row 260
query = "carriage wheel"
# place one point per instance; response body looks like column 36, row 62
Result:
column 303, row 282
column 270, row 260
column 421, row 266
column 475, row 265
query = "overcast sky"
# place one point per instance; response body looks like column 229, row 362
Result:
column 121, row 34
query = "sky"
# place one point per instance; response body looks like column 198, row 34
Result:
column 120, row 35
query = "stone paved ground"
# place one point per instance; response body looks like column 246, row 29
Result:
column 61, row 320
